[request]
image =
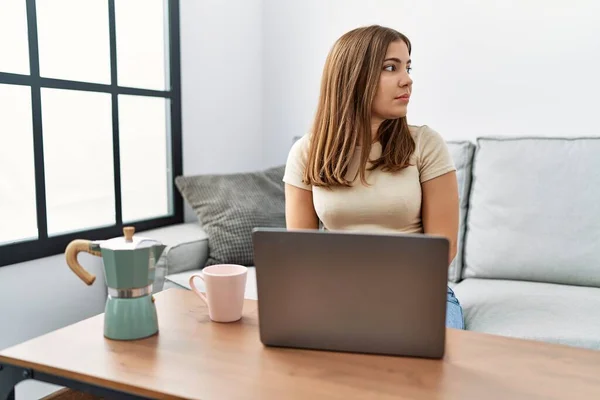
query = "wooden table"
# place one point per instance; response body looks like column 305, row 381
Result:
column 194, row 358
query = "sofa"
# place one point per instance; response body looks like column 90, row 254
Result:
column 528, row 262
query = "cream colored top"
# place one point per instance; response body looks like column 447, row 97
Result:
column 391, row 202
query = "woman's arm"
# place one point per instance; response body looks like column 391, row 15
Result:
column 299, row 209
column 440, row 209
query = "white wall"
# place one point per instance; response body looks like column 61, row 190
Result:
column 505, row 67
column 221, row 64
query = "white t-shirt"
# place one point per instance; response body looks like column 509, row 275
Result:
column 391, row 202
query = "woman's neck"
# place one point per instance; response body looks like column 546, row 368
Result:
column 375, row 124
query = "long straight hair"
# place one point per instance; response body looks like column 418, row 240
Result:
column 343, row 117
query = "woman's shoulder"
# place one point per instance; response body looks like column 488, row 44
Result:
column 301, row 141
column 423, row 132
column 299, row 149
column 433, row 157
column 426, row 138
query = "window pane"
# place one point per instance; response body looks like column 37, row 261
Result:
column 18, row 218
column 141, row 43
column 145, row 166
column 73, row 40
column 78, row 159
column 14, row 48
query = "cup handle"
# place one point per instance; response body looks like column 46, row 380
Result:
column 195, row 289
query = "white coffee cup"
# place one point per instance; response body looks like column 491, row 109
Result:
column 225, row 287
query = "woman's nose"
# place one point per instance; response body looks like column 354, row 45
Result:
column 405, row 80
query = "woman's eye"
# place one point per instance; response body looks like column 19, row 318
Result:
column 409, row 69
column 389, row 68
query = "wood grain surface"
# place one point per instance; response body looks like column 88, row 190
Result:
column 194, row 358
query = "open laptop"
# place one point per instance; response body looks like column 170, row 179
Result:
column 363, row 293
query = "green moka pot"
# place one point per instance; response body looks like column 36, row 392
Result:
column 129, row 269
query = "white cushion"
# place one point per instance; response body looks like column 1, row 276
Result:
column 534, row 211
column 530, row 310
column 462, row 155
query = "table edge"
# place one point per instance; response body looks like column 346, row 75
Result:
column 85, row 378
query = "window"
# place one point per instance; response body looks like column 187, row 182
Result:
column 90, row 121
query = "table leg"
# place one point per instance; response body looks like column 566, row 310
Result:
column 9, row 377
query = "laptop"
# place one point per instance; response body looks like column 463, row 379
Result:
column 352, row 292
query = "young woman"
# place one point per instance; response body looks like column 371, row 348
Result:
column 362, row 167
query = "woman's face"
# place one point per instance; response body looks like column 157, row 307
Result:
column 395, row 84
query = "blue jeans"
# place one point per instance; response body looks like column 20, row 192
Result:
column 454, row 312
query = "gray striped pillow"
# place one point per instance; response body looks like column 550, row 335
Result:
column 230, row 206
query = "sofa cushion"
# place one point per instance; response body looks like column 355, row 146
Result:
column 230, row 206
column 529, row 310
column 181, row 280
column 187, row 248
column 462, row 155
column 534, row 212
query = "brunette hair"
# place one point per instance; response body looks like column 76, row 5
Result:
column 343, row 117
